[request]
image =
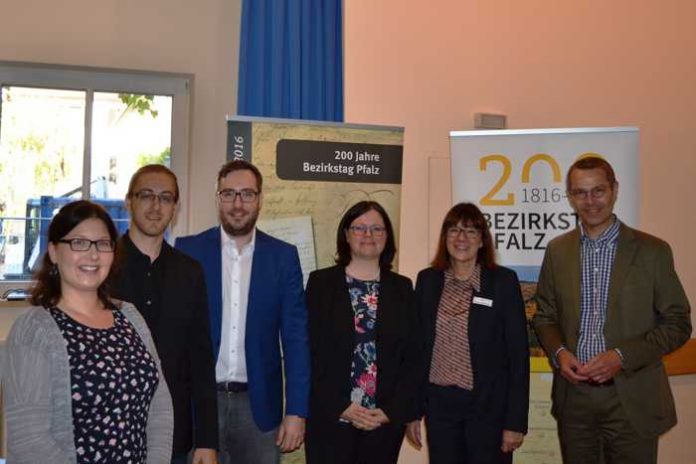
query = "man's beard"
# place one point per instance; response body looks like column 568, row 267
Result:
column 239, row 230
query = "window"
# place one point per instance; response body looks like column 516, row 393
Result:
column 70, row 132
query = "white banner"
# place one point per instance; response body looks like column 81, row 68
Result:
column 517, row 178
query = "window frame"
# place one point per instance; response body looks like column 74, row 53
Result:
column 93, row 79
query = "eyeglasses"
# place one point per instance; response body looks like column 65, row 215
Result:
column 469, row 232
column 595, row 192
column 230, row 195
column 83, row 244
column 376, row 231
column 148, row 196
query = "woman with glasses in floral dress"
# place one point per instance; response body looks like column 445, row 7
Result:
column 81, row 379
column 365, row 346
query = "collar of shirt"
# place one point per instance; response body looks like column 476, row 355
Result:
column 608, row 236
column 133, row 252
column 474, row 281
column 230, row 246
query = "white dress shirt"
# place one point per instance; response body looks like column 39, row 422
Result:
column 236, row 277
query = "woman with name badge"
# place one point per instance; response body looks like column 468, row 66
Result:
column 474, row 394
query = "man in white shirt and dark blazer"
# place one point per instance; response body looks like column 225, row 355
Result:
column 256, row 303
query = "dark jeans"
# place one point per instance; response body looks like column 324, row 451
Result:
column 457, row 434
column 241, row 441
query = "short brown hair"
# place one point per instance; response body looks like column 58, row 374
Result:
column 152, row 169
column 592, row 162
column 240, row 165
column 470, row 216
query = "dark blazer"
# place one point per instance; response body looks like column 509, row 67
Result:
column 332, row 330
column 497, row 342
column 182, row 338
column 275, row 309
column 647, row 317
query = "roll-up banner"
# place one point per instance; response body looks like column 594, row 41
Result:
column 313, row 172
column 517, row 178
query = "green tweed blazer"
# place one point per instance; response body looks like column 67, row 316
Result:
column 647, row 317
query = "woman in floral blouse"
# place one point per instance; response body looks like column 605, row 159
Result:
column 81, row 379
column 365, row 345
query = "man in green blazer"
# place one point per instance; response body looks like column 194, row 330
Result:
column 609, row 307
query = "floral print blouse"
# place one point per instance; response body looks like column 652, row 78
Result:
column 364, row 296
column 113, row 379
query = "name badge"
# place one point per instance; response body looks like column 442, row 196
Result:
column 483, row 301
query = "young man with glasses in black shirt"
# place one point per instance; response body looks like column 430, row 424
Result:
column 168, row 288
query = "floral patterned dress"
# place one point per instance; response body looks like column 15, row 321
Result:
column 113, row 378
column 364, row 296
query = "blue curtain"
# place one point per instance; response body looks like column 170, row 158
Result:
column 291, row 59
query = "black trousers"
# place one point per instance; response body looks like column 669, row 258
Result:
column 334, row 442
column 457, row 434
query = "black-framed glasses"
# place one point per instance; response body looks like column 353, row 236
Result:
column 229, row 195
column 376, row 231
column 83, row 244
column 595, row 192
column 469, row 232
column 148, row 196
